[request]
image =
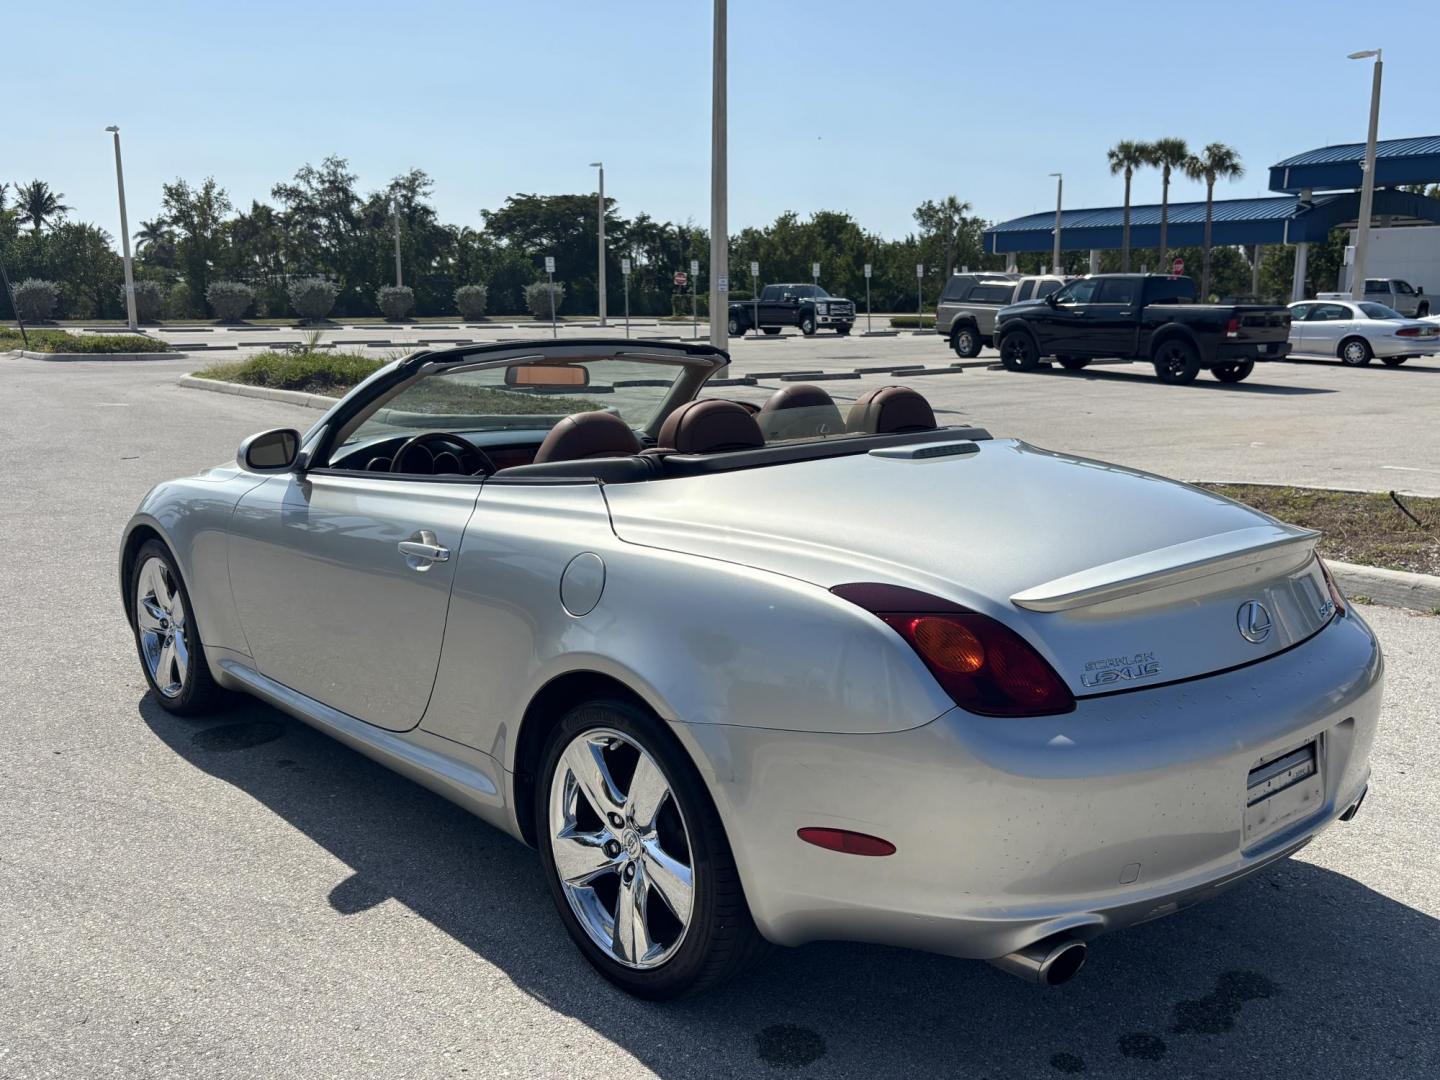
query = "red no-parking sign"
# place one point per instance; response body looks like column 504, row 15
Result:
column 1178, row 266
column 680, row 278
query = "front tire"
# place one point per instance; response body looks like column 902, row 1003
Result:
column 1018, row 351
column 843, row 331
column 966, row 343
column 736, row 327
column 636, row 857
column 167, row 635
column 807, row 325
column 1176, row 361
column 1355, row 352
column 1233, row 371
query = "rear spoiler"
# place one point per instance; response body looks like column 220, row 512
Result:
column 1171, row 565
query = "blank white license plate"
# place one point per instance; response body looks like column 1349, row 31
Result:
column 1282, row 791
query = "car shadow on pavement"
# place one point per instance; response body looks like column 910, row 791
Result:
column 1202, row 382
column 1299, row 971
column 1377, row 365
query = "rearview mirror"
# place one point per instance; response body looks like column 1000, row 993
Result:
column 547, row 376
column 269, row 451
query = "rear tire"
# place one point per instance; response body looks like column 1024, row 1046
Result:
column 1018, row 351
column 1176, row 361
column 966, row 342
column 1233, row 371
column 1393, row 361
column 670, row 956
column 167, row 635
column 1356, row 352
column 1073, row 363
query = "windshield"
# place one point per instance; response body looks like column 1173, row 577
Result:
column 806, row 291
column 521, row 397
column 1379, row 311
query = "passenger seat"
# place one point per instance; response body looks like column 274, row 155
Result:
column 588, row 435
column 890, row 410
column 799, row 411
column 709, row 426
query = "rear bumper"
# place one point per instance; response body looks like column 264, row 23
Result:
column 1228, row 351
column 1009, row 831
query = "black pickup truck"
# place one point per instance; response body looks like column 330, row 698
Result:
column 808, row 307
column 1150, row 317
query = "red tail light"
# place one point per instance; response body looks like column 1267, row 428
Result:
column 983, row 665
column 1335, row 593
column 843, row 840
column 1408, row 331
column 1232, row 328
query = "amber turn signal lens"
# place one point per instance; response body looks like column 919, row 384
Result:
column 948, row 645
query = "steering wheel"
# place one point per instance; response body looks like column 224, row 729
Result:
column 428, row 451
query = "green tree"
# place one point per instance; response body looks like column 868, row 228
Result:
column 1167, row 155
column 38, row 205
column 198, row 215
column 1217, row 161
column 952, row 228
column 1125, row 157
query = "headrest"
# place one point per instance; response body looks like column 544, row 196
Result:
column 588, row 435
column 710, row 427
column 799, row 411
column 890, row 410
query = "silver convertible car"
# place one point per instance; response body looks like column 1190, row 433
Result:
column 765, row 676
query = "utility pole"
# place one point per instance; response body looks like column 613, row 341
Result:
column 719, row 227
column 1367, row 181
column 124, row 235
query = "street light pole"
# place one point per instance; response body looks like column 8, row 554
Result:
column 125, row 235
column 719, row 227
column 600, row 282
column 395, row 206
column 1367, row 181
column 1059, row 193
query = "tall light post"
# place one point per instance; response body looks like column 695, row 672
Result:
column 1367, row 181
column 125, row 235
column 719, row 228
column 1059, row 194
column 600, row 284
column 395, row 207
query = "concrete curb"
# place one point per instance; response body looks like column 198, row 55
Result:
column 1392, row 588
column 69, row 357
column 265, row 393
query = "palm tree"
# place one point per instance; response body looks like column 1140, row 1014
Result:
column 1167, row 155
column 1216, row 161
column 38, row 204
column 1126, row 156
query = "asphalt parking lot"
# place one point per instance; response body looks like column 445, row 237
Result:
column 242, row 896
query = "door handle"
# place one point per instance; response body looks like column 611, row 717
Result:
column 422, row 549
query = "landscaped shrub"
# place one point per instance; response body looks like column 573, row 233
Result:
column 179, row 304
column 35, row 299
column 470, row 301
column 537, row 298
column 149, row 300
column 229, row 299
column 313, row 297
column 680, row 305
column 59, row 341
column 396, row 301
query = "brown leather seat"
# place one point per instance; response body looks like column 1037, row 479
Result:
column 588, row 435
column 890, row 410
column 799, row 411
column 711, row 426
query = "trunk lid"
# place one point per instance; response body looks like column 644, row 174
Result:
column 1120, row 578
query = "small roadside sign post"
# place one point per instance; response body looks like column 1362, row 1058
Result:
column 755, row 292
column 694, row 303
column 919, row 295
column 1178, row 266
column 815, row 272
column 550, row 276
column 625, row 273
column 867, row 298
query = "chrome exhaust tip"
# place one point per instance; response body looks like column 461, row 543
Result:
column 1046, row 963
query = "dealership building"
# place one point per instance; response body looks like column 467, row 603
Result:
column 1317, row 191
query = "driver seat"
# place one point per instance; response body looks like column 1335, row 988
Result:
column 588, row 435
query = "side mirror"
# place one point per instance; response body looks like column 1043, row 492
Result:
column 1050, row 299
column 269, row 451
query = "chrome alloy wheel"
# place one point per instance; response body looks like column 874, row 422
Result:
column 160, row 619
column 621, row 848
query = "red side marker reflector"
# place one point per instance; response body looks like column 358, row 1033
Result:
column 850, row 843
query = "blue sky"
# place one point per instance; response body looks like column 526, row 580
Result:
column 864, row 107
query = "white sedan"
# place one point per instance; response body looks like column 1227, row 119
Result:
column 1356, row 332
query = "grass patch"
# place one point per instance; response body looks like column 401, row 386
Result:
column 1356, row 527
column 913, row 322
column 330, row 373
column 58, row 341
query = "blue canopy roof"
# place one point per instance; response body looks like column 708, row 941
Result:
column 1336, row 168
column 1280, row 219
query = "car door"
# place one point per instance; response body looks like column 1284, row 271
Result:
column 341, row 583
column 1062, row 324
column 1327, row 324
column 773, row 310
column 1111, row 320
column 1299, row 316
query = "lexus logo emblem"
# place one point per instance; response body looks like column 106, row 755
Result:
column 1254, row 621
